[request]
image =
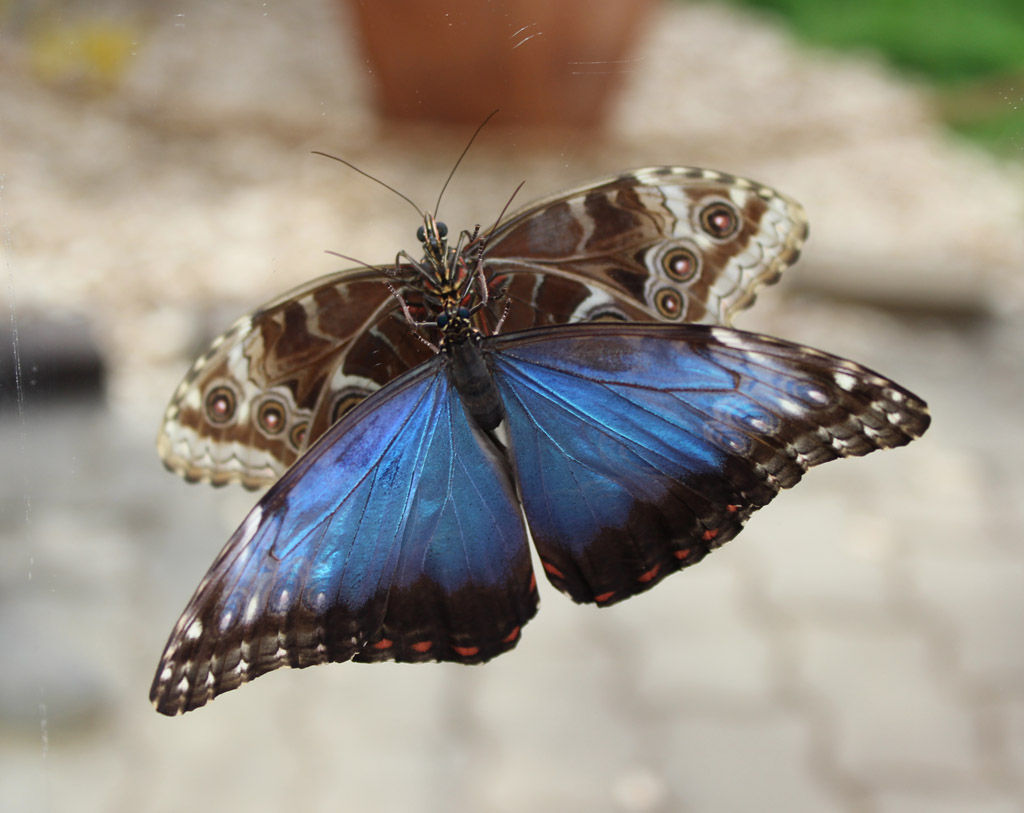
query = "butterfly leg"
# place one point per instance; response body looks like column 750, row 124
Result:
column 504, row 313
column 409, row 317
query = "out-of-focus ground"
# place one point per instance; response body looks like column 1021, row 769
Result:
column 857, row 649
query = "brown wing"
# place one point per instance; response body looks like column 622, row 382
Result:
column 658, row 244
column 675, row 244
column 281, row 375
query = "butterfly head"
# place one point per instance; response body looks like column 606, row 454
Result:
column 433, row 236
column 442, row 269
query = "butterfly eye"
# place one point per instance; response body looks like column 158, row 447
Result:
column 680, row 264
column 271, row 416
column 463, row 313
column 442, row 229
column 421, row 234
column 669, row 303
column 719, row 220
column 221, row 403
column 442, row 320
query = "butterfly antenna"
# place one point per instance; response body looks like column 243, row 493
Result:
column 358, row 262
column 365, row 174
column 502, row 213
column 478, row 264
column 470, row 144
column 392, row 271
column 409, row 319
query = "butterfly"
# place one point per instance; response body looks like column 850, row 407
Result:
column 673, row 244
column 625, row 450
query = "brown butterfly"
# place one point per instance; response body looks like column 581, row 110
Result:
column 669, row 244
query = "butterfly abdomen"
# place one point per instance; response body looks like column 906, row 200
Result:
column 475, row 384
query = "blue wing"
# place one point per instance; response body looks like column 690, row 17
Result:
column 640, row 448
column 398, row 536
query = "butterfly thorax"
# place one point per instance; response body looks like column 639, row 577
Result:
column 470, row 374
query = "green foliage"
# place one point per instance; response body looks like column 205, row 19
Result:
column 972, row 51
column 1000, row 129
column 949, row 41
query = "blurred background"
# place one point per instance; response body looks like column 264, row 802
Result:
column 856, row 649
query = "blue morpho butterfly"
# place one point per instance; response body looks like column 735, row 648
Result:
column 633, row 449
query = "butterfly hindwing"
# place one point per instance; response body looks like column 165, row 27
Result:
column 397, row 537
column 638, row 449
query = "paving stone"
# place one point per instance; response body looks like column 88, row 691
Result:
column 924, row 801
column 106, row 776
column 56, row 680
column 978, row 599
column 892, row 715
column 557, row 767
column 817, row 550
column 691, row 643
column 1010, row 720
column 758, row 763
column 26, row 775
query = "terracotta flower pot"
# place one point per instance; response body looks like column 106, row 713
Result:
column 542, row 62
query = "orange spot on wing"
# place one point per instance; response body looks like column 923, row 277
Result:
column 533, row 581
column 603, row 597
column 684, row 553
column 709, row 535
column 466, row 651
column 508, row 639
column 422, row 646
column 554, row 571
column 383, row 643
column 732, row 509
column 650, row 574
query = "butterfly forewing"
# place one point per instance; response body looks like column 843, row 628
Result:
column 670, row 243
